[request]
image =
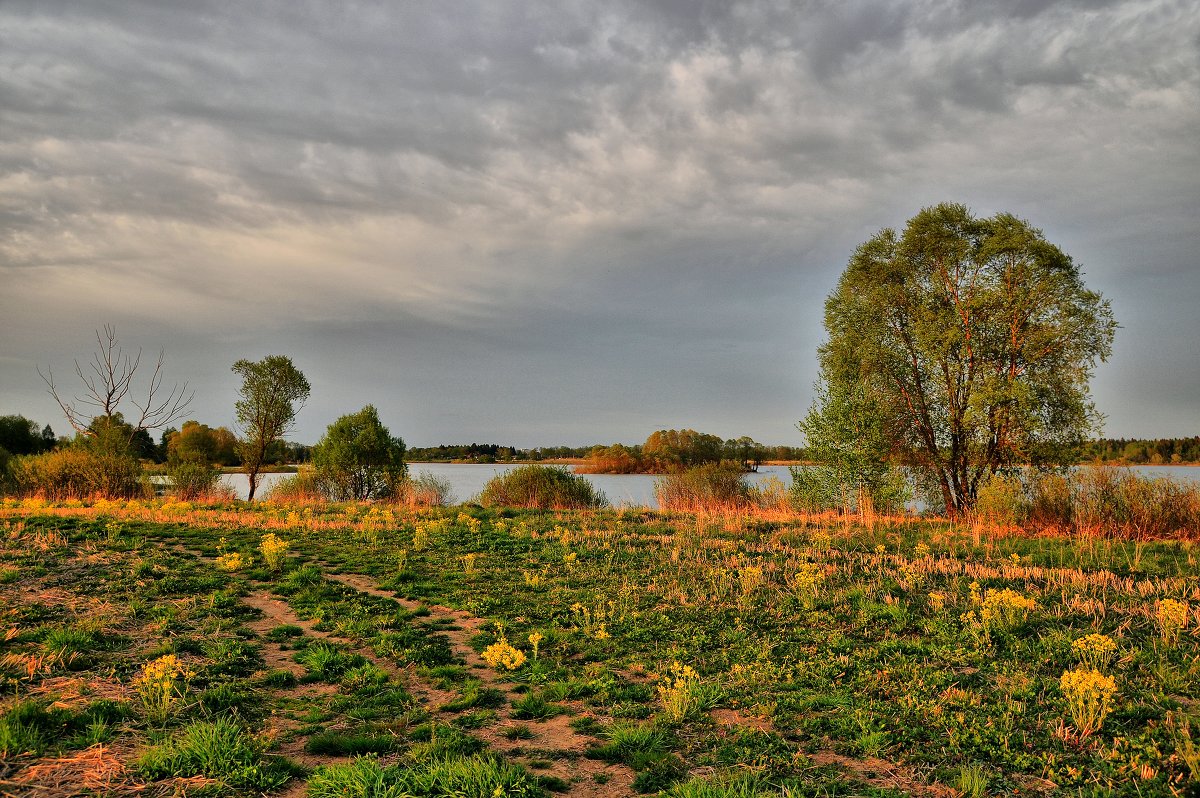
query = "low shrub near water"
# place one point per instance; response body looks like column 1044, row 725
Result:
column 707, row 487
column 192, row 480
column 543, row 488
column 75, row 473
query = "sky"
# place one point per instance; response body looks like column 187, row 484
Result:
column 570, row 222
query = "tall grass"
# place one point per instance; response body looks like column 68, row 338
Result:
column 1097, row 501
column 541, row 487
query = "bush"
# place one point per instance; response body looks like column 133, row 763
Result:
column 426, row 490
column 711, row 486
column 76, row 473
column 298, row 488
column 193, row 479
column 541, row 487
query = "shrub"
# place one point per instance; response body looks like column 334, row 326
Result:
column 426, row 490
column 303, row 487
column 541, row 487
column 711, row 486
column 76, row 473
column 192, row 479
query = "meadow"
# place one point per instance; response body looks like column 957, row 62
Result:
column 168, row 648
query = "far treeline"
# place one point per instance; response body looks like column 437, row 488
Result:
column 667, row 450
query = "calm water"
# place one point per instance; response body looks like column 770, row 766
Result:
column 630, row 490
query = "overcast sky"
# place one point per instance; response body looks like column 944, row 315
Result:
column 571, row 222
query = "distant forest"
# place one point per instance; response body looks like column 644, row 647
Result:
column 1127, row 451
column 495, row 453
column 1134, row 451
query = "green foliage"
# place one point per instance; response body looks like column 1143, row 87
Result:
column 846, row 437
column 541, row 487
column 192, row 479
column 20, row 436
column 709, row 486
column 434, row 777
column 273, row 390
column 975, row 340
column 219, row 749
column 358, row 459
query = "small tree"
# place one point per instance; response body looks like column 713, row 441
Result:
column 358, row 459
column 273, row 391
column 113, row 412
column 845, row 435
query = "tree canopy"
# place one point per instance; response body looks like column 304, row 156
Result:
column 358, row 459
column 974, row 340
column 273, row 391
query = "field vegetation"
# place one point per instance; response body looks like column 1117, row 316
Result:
column 365, row 649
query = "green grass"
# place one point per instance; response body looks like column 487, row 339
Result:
column 803, row 627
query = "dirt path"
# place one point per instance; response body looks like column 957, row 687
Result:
column 553, row 741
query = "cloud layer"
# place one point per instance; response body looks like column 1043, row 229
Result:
column 571, row 222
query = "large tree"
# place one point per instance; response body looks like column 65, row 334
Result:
column 975, row 340
column 273, row 391
column 358, row 458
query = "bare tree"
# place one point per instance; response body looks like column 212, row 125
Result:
column 109, row 386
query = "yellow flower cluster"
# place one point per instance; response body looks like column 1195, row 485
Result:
column 502, row 654
column 157, row 686
column 806, row 581
column 273, row 549
column 535, row 640
column 679, row 693
column 1172, row 617
column 232, row 561
column 1094, row 651
column 1004, row 609
column 1089, row 695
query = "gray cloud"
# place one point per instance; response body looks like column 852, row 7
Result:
column 571, row 221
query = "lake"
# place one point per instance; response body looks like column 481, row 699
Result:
column 622, row 490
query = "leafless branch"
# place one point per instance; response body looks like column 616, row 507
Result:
column 108, row 382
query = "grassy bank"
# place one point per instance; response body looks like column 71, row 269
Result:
column 723, row 654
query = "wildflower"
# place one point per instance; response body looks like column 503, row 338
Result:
column 679, row 692
column 231, row 561
column 570, row 559
column 1172, row 617
column 937, row 601
column 601, row 633
column 502, row 653
column 1004, row 609
column 273, row 549
column 535, row 640
column 1094, row 651
column 921, row 550
column 1089, row 695
column 158, row 686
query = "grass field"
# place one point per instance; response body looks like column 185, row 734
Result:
column 160, row 648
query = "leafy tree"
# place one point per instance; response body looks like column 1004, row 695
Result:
column 682, row 448
column 974, row 340
column 273, row 391
column 111, row 395
column 358, row 459
column 846, row 438
column 19, row 435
